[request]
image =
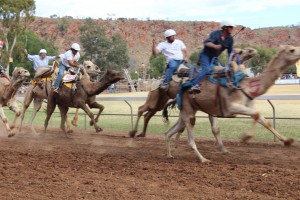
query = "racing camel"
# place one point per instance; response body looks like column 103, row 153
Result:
column 157, row 98
column 220, row 101
column 8, row 90
column 39, row 93
column 67, row 97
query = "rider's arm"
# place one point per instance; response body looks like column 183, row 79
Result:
column 213, row 41
column 185, row 54
column 155, row 51
column 72, row 63
column 25, row 53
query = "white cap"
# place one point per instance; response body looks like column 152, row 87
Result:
column 43, row 51
column 75, row 46
column 226, row 23
column 169, row 32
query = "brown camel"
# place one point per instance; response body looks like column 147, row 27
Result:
column 78, row 98
column 223, row 102
column 38, row 94
column 158, row 98
column 8, row 91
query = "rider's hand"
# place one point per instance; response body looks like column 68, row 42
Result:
column 218, row 47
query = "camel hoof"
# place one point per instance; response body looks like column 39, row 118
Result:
column 132, row 133
column 74, row 123
column 205, row 161
column 289, row 142
column 246, row 138
column 91, row 123
column 99, row 129
column 11, row 135
column 170, row 156
column 225, row 152
column 141, row 135
column 70, row 131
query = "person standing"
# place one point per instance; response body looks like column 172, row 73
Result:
column 218, row 41
column 69, row 59
column 175, row 52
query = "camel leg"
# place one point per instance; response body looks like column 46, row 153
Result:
column 100, row 107
column 15, row 108
column 147, row 118
column 260, row 119
column 172, row 131
column 27, row 101
column 141, row 110
column 69, row 129
column 91, row 115
column 75, row 118
column 63, row 114
column 37, row 104
column 216, row 131
column 190, row 121
column 50, row 109
column 5, row 121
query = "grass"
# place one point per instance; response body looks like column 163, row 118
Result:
column 230, row 128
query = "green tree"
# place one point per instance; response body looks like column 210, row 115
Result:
column 194, row 58
column 15, row 15
column 105, row 52
column 157, row 65
column 261, row 60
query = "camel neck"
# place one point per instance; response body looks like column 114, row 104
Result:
column 260, row 84
column 12, row 89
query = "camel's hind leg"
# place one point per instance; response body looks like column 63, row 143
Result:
column 216, row 131
column 37, row 104
column 172, row 131
column 5, row 121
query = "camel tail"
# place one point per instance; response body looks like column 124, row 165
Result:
column 170, row 105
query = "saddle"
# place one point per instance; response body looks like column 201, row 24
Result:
column 183, row 73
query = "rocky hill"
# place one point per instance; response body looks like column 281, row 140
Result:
column 139, row 34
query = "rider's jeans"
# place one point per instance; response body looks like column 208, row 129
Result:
column 173, row 65
column 205, row 68
column 62, row 69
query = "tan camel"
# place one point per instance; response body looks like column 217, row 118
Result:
column 8, row 91
column 223, row 102
column 39, row 93
column 157, row 98
column 86, row 89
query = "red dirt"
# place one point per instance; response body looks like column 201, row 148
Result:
column 113, row 166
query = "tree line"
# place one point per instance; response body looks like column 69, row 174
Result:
column 105, row 51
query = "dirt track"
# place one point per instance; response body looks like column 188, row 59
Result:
column 113, row 166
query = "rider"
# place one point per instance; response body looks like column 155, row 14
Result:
column 175, row 52
column 40, row 60
column 218, row 41
column 69, row 59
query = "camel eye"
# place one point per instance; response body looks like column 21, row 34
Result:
column 88, row 67
column 292, row 50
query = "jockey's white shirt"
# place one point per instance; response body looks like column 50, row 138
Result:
column 39, row 62
column 68, row 55
column 172, row 50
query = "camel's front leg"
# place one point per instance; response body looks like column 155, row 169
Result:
column 141, row 110
column 91, row 115
column 147, row 118
column 189, row 123
column 63, row 115
column 5, row 121
column 216, row 131
column 15, row 108
column 267, row 125
column 100, row 110
column 75, row 118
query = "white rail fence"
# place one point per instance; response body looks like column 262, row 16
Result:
column 127, row 99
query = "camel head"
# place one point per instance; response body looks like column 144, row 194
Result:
column 287, row 55
column 113, row 76
column 247, row 54
column 20, row 74
column 91, row 68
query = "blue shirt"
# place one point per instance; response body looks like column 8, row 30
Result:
column 215, row 38
column 39, row 62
